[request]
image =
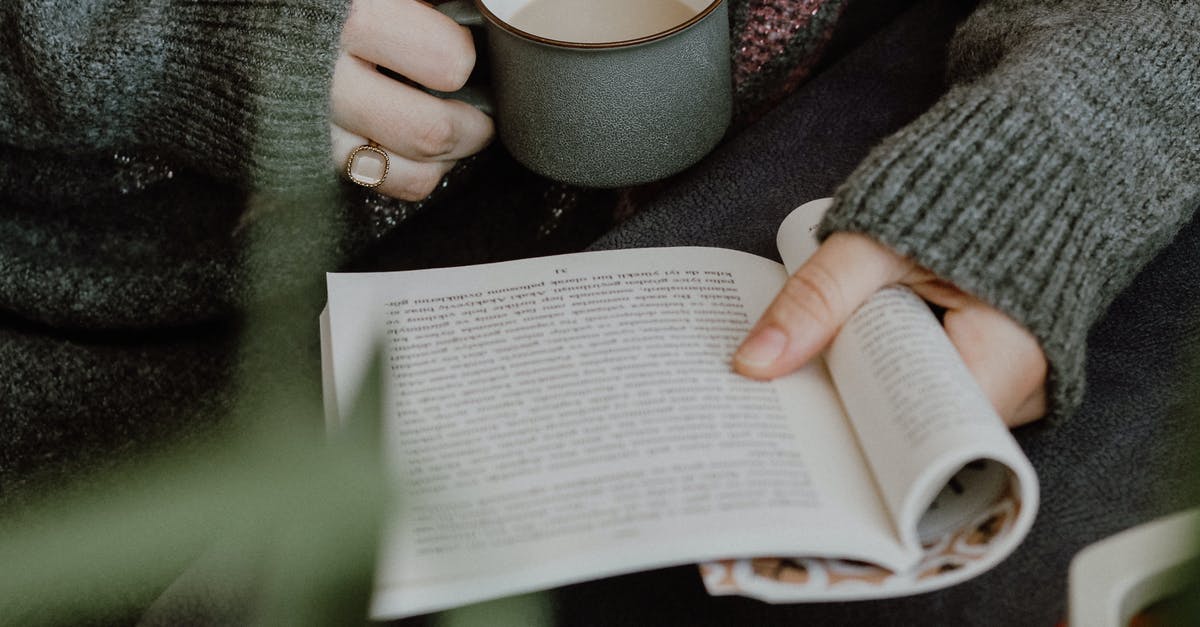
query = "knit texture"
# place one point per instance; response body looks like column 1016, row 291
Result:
column 1042, row 184
column 238, row 90
column 150, row 148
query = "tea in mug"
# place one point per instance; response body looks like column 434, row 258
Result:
column 600, row 21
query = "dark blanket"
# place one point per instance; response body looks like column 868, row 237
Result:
column 73, row 403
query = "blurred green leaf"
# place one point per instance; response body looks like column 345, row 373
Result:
column 313, row 507
column 529, row 610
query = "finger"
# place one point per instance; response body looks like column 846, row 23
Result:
column 844, row 272
column 406, row 179
column 414, row 124
column 1004, row 358
column 941, row 293
column 411, row 39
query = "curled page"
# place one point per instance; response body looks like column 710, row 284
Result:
column 957, row 485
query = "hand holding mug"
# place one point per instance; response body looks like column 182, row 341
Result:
column 373, row 115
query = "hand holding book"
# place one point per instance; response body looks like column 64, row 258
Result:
column 846, row 270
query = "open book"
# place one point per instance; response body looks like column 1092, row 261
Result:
column 567, row 418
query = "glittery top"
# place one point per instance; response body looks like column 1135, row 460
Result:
column 776, row 44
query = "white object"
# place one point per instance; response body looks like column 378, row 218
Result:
column 1114, row 579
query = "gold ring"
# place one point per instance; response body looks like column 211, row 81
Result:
column 362, row 172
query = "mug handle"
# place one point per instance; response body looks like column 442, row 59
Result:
column 465, row 13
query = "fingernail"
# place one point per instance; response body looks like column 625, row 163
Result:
column 763, row 348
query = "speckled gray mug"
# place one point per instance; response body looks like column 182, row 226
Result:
column 607, row 114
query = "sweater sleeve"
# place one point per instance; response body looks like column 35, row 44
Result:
column 1065, row 156
column 239, row 90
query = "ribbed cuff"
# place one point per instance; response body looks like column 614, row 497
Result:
column 1044, row 186
column 252, row 97
column 979, row 192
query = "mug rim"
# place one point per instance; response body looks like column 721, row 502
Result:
column 491, row 17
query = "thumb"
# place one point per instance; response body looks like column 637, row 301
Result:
column 844, row 272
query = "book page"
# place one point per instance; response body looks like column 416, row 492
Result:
column 954, row 479
column 566, row 418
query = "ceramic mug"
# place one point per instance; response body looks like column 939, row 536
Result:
column 607, row 114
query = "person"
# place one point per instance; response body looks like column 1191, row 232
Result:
column 144, row 157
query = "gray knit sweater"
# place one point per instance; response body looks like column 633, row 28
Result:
column 1065, row 157
column 239, row 90
column 148, row 147
column 1067, row 154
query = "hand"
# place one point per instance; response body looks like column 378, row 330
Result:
column 849, row 268
column 422, row 134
